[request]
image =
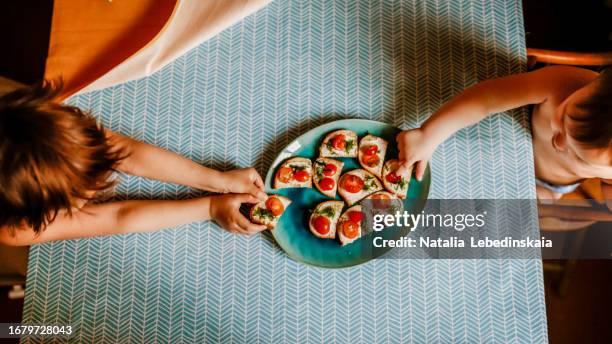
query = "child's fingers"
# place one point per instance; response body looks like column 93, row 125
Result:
column 255, row 178
column 248, row 226
column 258, row 181
column 403, row 168
column 234, row 228
column 247, row 198
column 258, row 193
column 420, row 169
column 399, row 138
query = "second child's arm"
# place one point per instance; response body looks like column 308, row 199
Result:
column 477, row 102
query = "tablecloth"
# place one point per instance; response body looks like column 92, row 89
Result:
column 235, row 101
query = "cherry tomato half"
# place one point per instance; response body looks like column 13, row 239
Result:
column 381, row 201
column 370, row 160
column 327, row 184
column 350, row 229
column 285, row 174
column 393, row 178
column 355, row 216
column 370, row 150
column 321, row 224
column 352, row 183
column 330, row 169
column 339, row 142
column 301, row 175
column 275, row 206
column 381, row 196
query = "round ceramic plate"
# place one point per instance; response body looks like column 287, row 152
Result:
column 292, row 232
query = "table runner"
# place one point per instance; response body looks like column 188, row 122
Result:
column 236, row 100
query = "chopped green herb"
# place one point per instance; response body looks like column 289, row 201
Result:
column 369, row 183
column 349, row 145
column 263, row 213
column 402, row 182
column 298, row 167
column 327, row 212
column 319, row 166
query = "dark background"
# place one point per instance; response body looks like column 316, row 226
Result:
column 581, row 315
column 579, row 25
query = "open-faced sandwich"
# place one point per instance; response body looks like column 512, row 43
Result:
column 339, row 144
column 349, row 225
column 269, row 211
column 324, row 218
column 294, row 173
column 394, row 183
column 384, row 202
column 326, row 174
column 372, row 150
column 354, row 185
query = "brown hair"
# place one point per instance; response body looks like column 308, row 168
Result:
column 594, row 129
column 50, row 156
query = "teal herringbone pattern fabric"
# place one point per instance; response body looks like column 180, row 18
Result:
column 235, row 101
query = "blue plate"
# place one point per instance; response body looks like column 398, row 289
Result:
column 292, row 233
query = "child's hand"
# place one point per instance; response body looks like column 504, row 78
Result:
column 244, row 181
column 415, row 148
column 225, row 211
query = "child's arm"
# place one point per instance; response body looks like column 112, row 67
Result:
column 476, row 103
column 138, row 216
column 152, row 162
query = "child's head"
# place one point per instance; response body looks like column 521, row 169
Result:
column 52, row 157
column 586, row 123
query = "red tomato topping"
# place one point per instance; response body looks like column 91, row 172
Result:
column 381, row 196
column 370, row 160
column 370, row 150
column 285, row 174
column 350, row 229
column 301, row 175
column 275, row 206
column 355, row 216
column 339, row 142
column 381, row 201
column 352, row 183
column 330, row 169
column 393, row 178
column 321, row 224
column 327, row 184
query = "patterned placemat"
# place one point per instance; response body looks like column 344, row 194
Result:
column 236, row 100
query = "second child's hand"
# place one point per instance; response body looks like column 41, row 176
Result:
column 415, row 148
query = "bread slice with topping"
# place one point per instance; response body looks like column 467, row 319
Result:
column 268, row 212
column 349, row 225
column 339, row 144
column 294, row 173
column 394, row 183
column 323, row 219
column 326, row 174
column 382, row 202
column 372, row 150
column 354, row 185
